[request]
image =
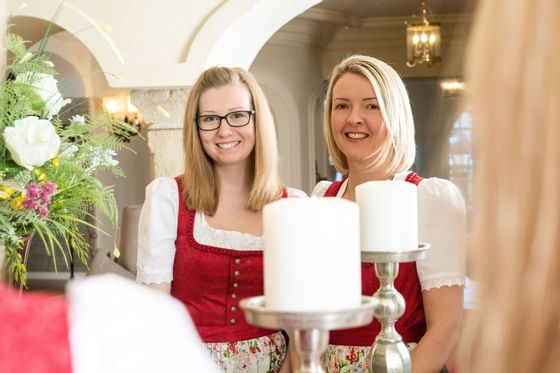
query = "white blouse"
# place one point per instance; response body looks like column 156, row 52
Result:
column 157, row 232
column 441, row 223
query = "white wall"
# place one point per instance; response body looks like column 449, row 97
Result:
column 290, row 76
column 129, row 190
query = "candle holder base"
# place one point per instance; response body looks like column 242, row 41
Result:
column 310, row 330
column 390, row 358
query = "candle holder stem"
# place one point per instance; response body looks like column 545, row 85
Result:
column 309, row 345
column 389, row 353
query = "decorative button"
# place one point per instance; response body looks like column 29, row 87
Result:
column 235, row 284
column 234, row 295
column 232, row 321
column 237, row 261
column 236, row 273
column 233, row 309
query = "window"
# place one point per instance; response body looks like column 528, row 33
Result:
column 460, row 156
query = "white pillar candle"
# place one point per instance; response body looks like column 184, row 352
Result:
column 311, row 255
column 388, row 215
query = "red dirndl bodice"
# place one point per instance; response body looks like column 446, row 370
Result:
column 211, row 281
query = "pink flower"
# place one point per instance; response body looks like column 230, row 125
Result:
column 232, row 347
column 33, row 191
column 43, row 211
column 243, row 361
column 352, row 356
column 254, row 349
column 30, row 204
column 49, row 188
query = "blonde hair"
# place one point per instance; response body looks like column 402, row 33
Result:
column 200, row 189
column 398, row 150
column 515, row 89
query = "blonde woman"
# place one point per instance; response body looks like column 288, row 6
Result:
column 369, row 129
column 201, row 235
column 515, row 96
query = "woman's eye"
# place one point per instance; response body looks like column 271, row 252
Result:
column 372, row 106
column 209, row 118
column 340, row 106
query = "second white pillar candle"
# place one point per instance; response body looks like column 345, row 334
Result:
column 388, row 215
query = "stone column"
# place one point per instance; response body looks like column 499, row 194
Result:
column 3, row 26
column 163, row 110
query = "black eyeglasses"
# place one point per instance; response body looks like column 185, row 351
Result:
column 212, row 122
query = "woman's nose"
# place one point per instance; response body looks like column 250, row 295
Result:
column 355, row 116
column 224, row 129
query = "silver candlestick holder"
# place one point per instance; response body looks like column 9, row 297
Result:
column 310, row 330
column 389, row 353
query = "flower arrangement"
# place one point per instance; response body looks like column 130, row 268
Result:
column 48, row 186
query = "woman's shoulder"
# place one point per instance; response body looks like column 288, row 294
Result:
column 442, row 190
column 161, row 184
column 321, row 188
column 296, row 193
column 160, row 191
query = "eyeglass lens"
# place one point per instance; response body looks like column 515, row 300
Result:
column 234, row 119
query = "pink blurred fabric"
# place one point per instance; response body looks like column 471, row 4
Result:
column 33, row 332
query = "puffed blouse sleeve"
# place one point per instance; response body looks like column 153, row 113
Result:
column 157, row 232
column 442, row 224
column 296, row 193
column 321, row 188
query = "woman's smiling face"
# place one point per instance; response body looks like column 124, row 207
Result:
column 227, row 145
column 356, row 121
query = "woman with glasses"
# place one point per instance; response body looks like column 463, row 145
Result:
column 201, row 234
column 369, row 129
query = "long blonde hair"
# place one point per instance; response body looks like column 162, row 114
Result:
column 398, row 150
column 200, row 189
column 515, row 85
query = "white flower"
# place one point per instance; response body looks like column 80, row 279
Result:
column 103, row 158
column 68, row 151
column 26, row 57
column 46, row 87
column 78, row 119
column 32, row 141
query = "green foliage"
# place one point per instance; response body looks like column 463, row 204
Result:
column 53, row 200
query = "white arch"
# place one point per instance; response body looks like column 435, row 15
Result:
column 73, row 20
column 238, row 30
column 231, row 36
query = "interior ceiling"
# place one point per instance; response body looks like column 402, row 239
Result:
column 395, row 8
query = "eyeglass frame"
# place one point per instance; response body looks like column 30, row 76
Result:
column 224, row 117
